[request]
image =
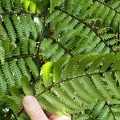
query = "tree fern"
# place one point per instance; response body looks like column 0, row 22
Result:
column 65, row 53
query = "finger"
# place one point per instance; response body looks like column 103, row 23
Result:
column 48, row 114
column 55, row 117
column 33, row 108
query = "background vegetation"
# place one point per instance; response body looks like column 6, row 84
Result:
column 65, row 53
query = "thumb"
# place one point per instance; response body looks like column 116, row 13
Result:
column 33, row 108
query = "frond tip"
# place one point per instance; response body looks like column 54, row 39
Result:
column 46, row 74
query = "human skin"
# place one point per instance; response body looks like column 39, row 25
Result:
column 35, row 111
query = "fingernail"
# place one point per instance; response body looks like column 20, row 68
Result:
column 28, row 100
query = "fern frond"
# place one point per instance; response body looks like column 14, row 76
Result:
column 3, row 85
column 111, row 84
column 23, row 67
column 98, row 83
column 82, row 117
column 1, row 9
column 32, row 27
column 76, row 86
column 32, row 46
column 16, row 51
column 24, row 23
column 46, row 74
column 53, row 4
column 97, row 108
column 57, row 103
column 38, row 24
column 49, row 107
column 49, row 52
column 10, row 28
column 64, row 98
column 117, row 75
column 108, row 36
column 105, row 113
column 2, row 55
column 25, row 86
column 3, row 33
column 7, row 74
column 6, row 4
column 72, row 94
column 24, row 45
column 16, row 72
column 65, row 53
column 17, row 5
column 32, row 7
column 32, row 66
column 8, row 47
column 26, row 4
column 16, row 96
column 17, row 24
column 86, row 37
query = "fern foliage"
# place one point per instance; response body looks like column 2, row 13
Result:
column 65, row 53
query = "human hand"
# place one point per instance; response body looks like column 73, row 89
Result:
column 35, row 111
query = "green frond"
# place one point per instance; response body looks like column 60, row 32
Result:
column 108, row 36
column 1, row 9
column 3, row 85
column 26, row 4
column 16, row 96
column 6, row 4
column 17, row 5
column 32, row 66
column 64, row 98
column 52, row 99
column 117, row 75
column 53, row 4
column 87, row 81
column 8, row 47
column 104, row 114
column 3, row 33
column 16, row 72
column 99, row 85
column 8, row 74
column 24, row 45
column 32, row 46
column 46, row 74
column 32, row 27
column 39, row 87
column 72, row 94
column 32, row 7
column 16, row 51
column 24, row 23
column 2, row 55
column 65, row 53
column 112, row 84
column 82, row 117
column 18, row 25
column 10, row 28
column 25, row 86
column 97, row 109
column 83, row 94
column 90, row 87
column 49, row 107
column 69, row 33
column 38, row 25
column 23, row 67
column 45, row 44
